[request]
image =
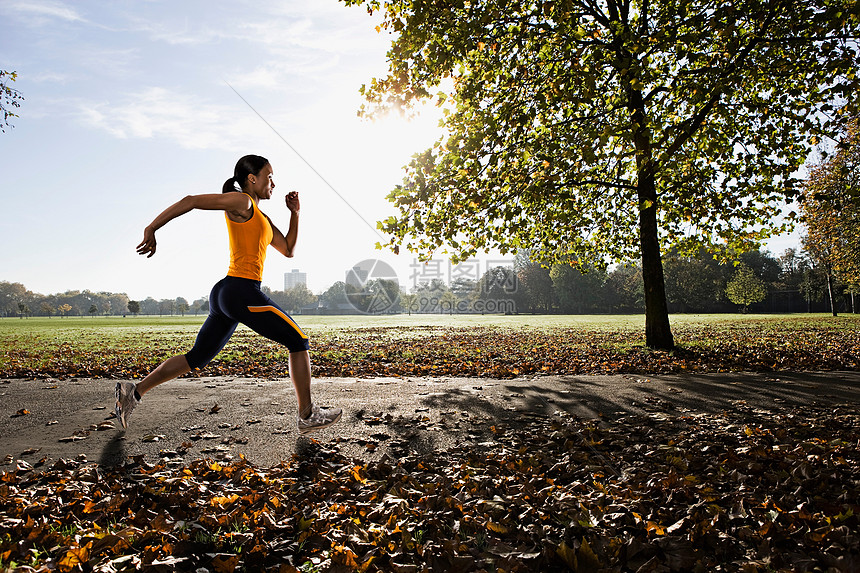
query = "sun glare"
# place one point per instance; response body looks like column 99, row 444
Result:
column 400, row 135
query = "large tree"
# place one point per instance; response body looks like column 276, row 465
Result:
column 609, row 129
column 831, row 211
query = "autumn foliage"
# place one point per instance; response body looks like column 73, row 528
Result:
column 747, row 490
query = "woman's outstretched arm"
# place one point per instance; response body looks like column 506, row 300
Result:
column 238, row 204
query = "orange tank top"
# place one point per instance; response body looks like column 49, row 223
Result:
column 248, row 242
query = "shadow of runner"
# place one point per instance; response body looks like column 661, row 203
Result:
column 113, row 453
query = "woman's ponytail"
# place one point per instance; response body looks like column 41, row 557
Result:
column 229, row 185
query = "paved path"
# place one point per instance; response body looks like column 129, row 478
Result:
column 221, row 418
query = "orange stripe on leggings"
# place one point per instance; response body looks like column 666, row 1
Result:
column 279, row 313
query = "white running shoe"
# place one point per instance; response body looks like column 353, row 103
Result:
column 320, row 418
column 125, row 401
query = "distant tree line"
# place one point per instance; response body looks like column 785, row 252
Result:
column 756, row 282
column 17, row 300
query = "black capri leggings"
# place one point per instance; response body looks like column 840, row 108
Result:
column 234, row 300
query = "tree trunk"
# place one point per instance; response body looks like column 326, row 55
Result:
column 830, row 293
column 658, row 333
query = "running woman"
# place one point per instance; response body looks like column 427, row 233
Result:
column 238, row 298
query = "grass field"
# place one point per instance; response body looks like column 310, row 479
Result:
column 489, row 345
column 118, row 324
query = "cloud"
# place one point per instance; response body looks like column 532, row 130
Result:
column 159, row 113
column 49, row 76
column 186, row 120
column 46, row 10
column 299, row 73
column 291, row 59
column 338, row 31
column 172, row 34
column 184, row 25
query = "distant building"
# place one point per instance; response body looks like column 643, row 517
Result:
column 295, row 278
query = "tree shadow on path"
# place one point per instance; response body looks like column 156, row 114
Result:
column 608, row 398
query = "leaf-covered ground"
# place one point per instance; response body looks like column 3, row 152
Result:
column 745, row 490
column 454, row 351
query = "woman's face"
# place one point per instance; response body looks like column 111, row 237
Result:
column 262, row 184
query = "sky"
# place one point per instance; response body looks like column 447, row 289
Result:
column 131, row 105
